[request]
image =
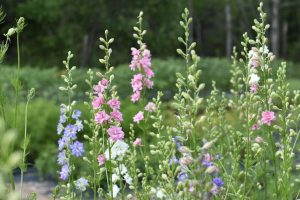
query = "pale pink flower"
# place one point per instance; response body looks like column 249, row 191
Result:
column 254, row 88
column 136, row 96
column 134, row 51
column 259, row 139
column 268, row 117
column 149, row 73
column 97, row 102
column 98, row 89
column 114, row 104
column 137, row 82
column 116, row 115
column 149, row 84
column 101, row 117
column 115, row 133
column 146, row 53
column 138, row 117
column 101, row 159
column 214, row 190
column 207, row 157
column 145, row 62
column 150, row 107
column 255, row 127
column 137, row 142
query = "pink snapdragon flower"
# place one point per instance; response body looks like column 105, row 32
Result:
column 137, row 82
column 101, row 159
column 114, row 104
column 97, row 102
column 150, row 107
column 116, row 115
column 138, row 117
column 137, row 142
column 101, row 86
column 101, row 117
column 136, row 96
column 268, row 117
column 115, row 133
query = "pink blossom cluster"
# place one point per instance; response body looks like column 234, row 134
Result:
column 141, row 61
column 108, row 111
column 268, row 117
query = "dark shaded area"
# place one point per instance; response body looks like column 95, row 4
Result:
column 56, row 26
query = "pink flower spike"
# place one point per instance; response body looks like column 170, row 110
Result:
column 150, row 107
column 97, row 102
column 136, row 96
column 268, row 117
column 114, row 104
column 101, row 159
column 101, row 117
column 137, row 142
column 115, row 133
column 117, row 115
column 138, row 117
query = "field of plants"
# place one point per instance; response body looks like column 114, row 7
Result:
column 154, row 128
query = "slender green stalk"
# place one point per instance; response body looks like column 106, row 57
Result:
column 25, row 140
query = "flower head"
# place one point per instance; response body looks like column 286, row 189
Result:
column 114, row 104
column 138, row 117
column 77, row 149
column 268, row 117
column 71, row 131
column 137, row 142
column 101, row 159
column 115, row 133
column 101, row 117
column 218, row 182
column 254, row 78
column 64, row 172
column 81, row 184
column 76, row 114
column 150, row 107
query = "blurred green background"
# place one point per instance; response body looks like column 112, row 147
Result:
column 56, row 26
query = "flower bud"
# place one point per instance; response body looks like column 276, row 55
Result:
column 10, row 32
column 211, row 169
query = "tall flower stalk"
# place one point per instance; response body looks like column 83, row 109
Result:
column 26, row 139
column 68, row 127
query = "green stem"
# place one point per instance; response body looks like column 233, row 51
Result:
column 24, row 146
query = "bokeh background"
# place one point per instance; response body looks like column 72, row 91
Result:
column 56, row 26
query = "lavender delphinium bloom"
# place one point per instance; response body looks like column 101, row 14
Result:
column 183, row 176
column 178, row 141
column 62, row 159
column 64, row 172
column 79, row 125
column 218, row 182
column 76, row 114
column 60, row 128
column 207, row 163
column 173, row 160
column 71, row 131
column 77, row 149
column 81, row 184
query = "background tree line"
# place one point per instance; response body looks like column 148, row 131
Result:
column 56, row 26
